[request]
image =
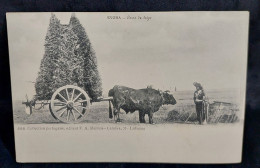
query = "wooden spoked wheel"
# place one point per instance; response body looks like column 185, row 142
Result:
column 69, row 104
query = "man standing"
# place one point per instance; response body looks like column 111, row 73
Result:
column 199, row 97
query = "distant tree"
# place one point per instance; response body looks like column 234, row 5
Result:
column 68, row 59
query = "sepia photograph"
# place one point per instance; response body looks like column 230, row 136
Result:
column 167, row 86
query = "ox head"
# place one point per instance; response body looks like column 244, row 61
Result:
column 168, row 98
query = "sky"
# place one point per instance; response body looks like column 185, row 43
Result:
column 170, row 49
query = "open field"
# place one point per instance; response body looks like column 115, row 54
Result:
column 182, row 112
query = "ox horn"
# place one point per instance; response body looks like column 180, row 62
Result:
column 160, row 91
column 167, row 91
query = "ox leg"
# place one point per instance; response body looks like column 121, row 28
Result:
column 141, row 117
column 115, row 114
column 150, row 114
column 118, row 118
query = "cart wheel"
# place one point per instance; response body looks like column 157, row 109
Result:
column 69, row 104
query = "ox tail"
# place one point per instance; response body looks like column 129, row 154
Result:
column 110, row 110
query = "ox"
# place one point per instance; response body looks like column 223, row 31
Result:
column 146, row 101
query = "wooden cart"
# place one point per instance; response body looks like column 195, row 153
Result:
column 68, row 104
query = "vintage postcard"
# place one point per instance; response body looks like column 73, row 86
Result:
column 158, row 87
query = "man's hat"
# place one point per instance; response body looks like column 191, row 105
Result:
column 196, row 84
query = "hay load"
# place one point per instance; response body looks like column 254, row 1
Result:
column 69, row 59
